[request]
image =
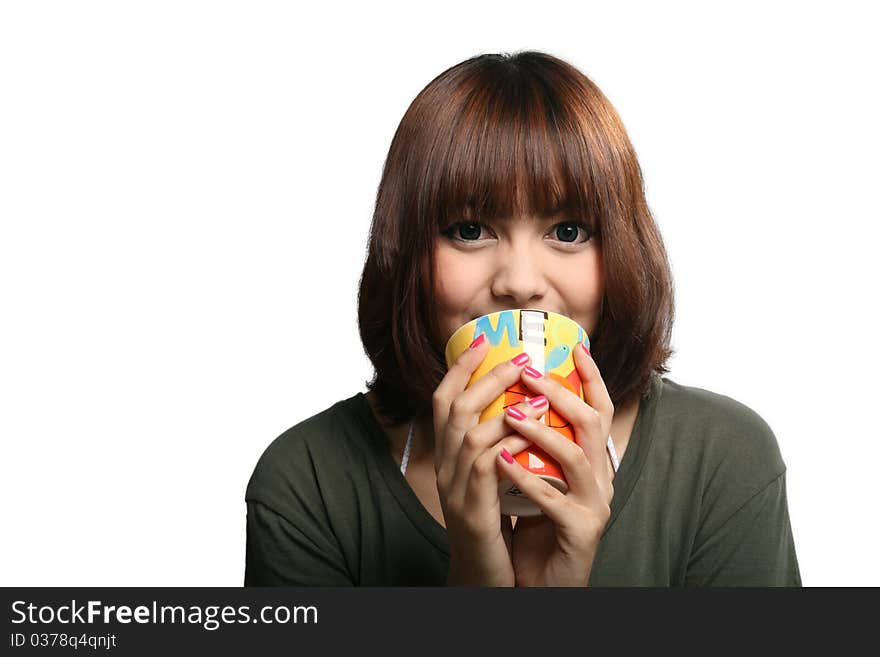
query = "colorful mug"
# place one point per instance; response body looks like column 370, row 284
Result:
column 549, row 339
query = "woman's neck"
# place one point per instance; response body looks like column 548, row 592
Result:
column 423, row 438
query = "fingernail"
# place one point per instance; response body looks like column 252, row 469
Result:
column 586, row 351
column 477, row 341
column 506, row 455
column 537, row 402
column 532, row 372
column 515, row 413
column 519, row 360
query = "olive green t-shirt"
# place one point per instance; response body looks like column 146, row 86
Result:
column 699, row 500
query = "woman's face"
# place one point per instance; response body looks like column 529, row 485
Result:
column 546, row 264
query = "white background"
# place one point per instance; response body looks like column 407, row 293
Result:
column 184, row 184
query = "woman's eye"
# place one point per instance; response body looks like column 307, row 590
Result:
column 567, row 232
column 464, row 231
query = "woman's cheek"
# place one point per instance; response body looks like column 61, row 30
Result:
column 456, row 277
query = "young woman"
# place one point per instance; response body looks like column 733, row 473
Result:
column 511, row 183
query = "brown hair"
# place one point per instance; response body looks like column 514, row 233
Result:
column 496, row 136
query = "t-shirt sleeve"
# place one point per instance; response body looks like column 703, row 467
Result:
column 290, row 540
column 753, row 547
column 743, row 532
column 284, row 553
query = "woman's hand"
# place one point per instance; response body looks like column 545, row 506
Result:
column 558, row 548
column 467, row 473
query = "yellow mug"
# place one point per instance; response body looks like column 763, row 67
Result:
column 549, row 339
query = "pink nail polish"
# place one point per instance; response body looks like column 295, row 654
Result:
column 506, row 455
column 477, row 341
column 537, row 402
column 586, row 351
column 519, row 360
column 532, row 372
column 515, row 413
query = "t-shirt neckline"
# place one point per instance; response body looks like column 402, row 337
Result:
column 405, row 495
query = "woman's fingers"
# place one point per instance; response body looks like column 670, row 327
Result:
column 480, row 488
column 462, row 412
column 597, row 397
column 576, row 467
column 591, row 425
column 454, row 382
column 475, row 473
column 484, row 435
column 595, row 392
column 556, row 505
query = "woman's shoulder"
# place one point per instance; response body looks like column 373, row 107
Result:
column 709, row 407
column 724, row 434
column 301, row 453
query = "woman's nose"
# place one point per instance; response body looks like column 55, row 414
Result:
column 519, row 278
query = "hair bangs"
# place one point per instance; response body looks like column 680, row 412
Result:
column 507, row 157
